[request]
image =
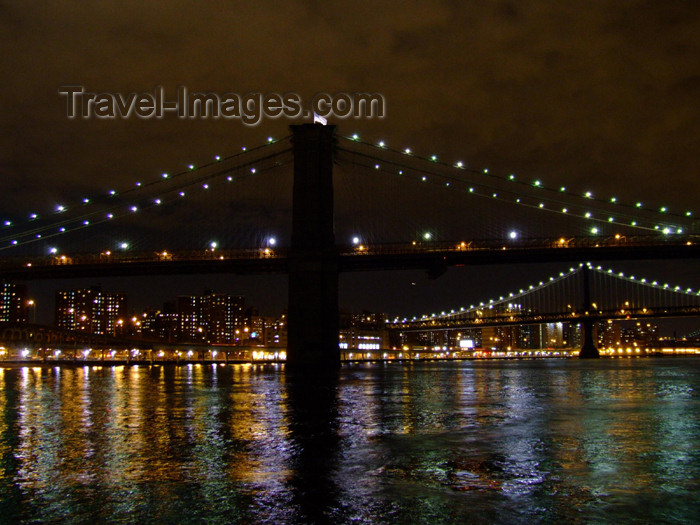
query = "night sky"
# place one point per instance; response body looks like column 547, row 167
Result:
column 597, row 94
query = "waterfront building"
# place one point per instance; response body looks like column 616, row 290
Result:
column 14, row 306
column 90, row 310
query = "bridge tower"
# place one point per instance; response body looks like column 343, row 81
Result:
column 312, row 319
column 588, row 349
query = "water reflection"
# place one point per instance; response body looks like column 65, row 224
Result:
column 517, row 442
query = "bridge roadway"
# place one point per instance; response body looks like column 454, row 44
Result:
column 435, row 257
column 458, row 321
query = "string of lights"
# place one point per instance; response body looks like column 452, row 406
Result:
column 552, row 280
column 481, row 187
column 97, row 211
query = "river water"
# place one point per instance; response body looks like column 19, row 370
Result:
column 538, row 441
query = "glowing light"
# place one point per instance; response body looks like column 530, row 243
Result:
column 613, row 199
column 427, row 236
column 157, row 201
column 60, row 208
column 112, row 192
column 355, row 136
column 564, row 210
column 165, row 175
column 270, row 139
column 376, row 166
column 407, row 151
column 53, row 250
column 134, row 208
column 272, row 241
column 594, row 230
column 213, row 245
column 381, row 144
column 124, row 245
column 588, row 215
column 433, row 158
column 588, row 195
column 217, row 158
column 85, row 223
column 182, row 194
column 191, row 166
column 662, row 209
column 460, row 164
column 253, row 170
column 356, row 240
column 537, row 183
column 8, row 223
column 513, row 235
column 562, row 189
column 33, row 216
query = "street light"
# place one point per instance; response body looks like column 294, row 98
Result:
column 31, row 304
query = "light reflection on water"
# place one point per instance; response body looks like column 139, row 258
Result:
column 484, row 442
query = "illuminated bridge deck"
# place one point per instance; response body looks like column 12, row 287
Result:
column 429, row 256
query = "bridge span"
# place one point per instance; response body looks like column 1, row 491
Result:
column 432, row 257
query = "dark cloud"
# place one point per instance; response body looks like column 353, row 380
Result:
column 599, row 94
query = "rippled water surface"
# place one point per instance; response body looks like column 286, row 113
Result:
column 463, row 442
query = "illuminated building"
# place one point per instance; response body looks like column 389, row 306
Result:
column 13, row 303
column 90, row 310
column 211, row 317
column 366, row 331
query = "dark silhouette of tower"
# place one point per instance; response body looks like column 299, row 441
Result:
column 313, row 259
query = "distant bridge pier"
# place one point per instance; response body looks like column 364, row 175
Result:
column 312, row 330
column 588, row 349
